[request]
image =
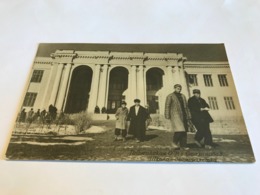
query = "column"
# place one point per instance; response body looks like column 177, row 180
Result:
column 169, row 78
column 63, row 87
column 56, row 84
column 133, row 84
column 94, row 89
column 46, row 89
column 177, row 79
column 102, row 86
column 129, row 98
column 140, row 84
column 183, row 80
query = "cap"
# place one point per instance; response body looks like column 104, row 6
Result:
column 137, row 100
column 196, row 91
column 177, row 85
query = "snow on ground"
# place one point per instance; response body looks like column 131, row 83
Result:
column 94, row 129
column 47, row 143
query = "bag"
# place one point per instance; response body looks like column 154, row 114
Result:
column 191, row 128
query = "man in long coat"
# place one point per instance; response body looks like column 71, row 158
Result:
column 137, row 117
column 201, row 119
column 176, row 109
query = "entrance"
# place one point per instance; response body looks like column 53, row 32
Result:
column 118, row 83
column 154, row 83
column 80, row 85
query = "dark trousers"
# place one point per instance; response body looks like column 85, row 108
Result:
column 203, row 131
column 180, row 137
column 120, row 132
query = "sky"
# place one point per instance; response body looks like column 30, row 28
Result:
column 193, row 52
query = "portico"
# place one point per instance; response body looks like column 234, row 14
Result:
column 88, row 79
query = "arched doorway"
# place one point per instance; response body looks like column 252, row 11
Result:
column 154, row 82
column 78, row 95
column 118, row 83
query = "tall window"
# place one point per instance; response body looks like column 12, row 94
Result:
column 229, row 103
column 208, row 80
column 37, row 76
column 222, row 80
column 193, row 79
column 29, row 99
column 213, row 104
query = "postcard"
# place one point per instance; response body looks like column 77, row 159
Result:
column 130, row 103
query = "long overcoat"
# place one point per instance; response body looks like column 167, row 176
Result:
column 137, row 122
column 121, row 116
column 173, row 111
column 198, row 116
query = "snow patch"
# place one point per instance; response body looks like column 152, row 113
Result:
column 47, row 144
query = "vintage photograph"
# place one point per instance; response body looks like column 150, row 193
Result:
column 130, row 103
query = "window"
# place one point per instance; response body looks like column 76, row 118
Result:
column 222, row 80
column 29, row 99
column 229, row 103
column 193, row 79
column 208, row 80
column 37, row 76
column 213, row 104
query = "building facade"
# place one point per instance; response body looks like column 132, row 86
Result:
column 75, row 81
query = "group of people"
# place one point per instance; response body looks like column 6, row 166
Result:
column 39, row 116
column 182, row 114
column 133, row 120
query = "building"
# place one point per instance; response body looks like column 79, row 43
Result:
column 76, row 81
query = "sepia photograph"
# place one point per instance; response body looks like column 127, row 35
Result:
column 130, row 103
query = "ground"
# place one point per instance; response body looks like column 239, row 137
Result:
column 100, row 146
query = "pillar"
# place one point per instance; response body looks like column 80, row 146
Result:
column 177, row 79
column 56, row 84
column 102, row 86
column 140, row 84
column 43, row 106
column 63, row 87
column 129, row 98
column 94, row 89
column 133, row 87
column 183, row 80
column 169, row 78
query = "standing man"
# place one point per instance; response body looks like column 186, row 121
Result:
column 176, row 109
column 200, row 118
column 137, row 117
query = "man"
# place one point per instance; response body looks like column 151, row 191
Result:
column 200, row 118
column 137, row 117
column 176, row 109
column 30, row 116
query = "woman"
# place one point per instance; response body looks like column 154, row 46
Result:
column 121, row 115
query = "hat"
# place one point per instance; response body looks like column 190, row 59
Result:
column 137, row 100
column 123, row 102
column 177, row 85
column 196, row 91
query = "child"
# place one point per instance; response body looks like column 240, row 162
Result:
column 121, row 115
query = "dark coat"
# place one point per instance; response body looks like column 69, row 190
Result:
column 197, row 115
column 174, row 113
column 137, row 122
